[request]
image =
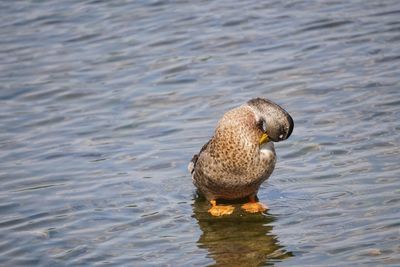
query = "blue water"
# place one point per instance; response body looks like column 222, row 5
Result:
column 103, row 104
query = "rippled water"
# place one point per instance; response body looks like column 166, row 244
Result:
column 103, row 103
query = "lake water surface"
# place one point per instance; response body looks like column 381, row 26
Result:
column 103, row 104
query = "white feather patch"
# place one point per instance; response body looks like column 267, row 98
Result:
column 267, row 150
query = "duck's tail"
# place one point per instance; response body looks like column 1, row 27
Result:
column 192, row 163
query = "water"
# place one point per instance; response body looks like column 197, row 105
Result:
column 103, row 104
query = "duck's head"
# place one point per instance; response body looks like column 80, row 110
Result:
column 275, row 123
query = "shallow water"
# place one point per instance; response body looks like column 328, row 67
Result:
column 103, row 104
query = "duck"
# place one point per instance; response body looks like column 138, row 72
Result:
column 240, row 155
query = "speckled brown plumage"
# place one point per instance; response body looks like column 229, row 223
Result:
column 232, row 164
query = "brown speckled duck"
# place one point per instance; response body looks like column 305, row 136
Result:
column 240, row 155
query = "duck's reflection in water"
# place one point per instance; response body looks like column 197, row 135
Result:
column 239, row 239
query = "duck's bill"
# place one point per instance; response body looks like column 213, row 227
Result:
column 264, row 139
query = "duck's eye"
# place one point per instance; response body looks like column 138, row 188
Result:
column 262, row 125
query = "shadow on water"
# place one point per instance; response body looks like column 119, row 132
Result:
column 240, row 239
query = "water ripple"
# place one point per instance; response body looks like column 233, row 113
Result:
column 102, row 104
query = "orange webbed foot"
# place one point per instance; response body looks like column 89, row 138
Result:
column 220, row 210
column 254, row 206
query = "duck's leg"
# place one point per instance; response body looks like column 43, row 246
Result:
column 253, row 205
column 220, row 210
